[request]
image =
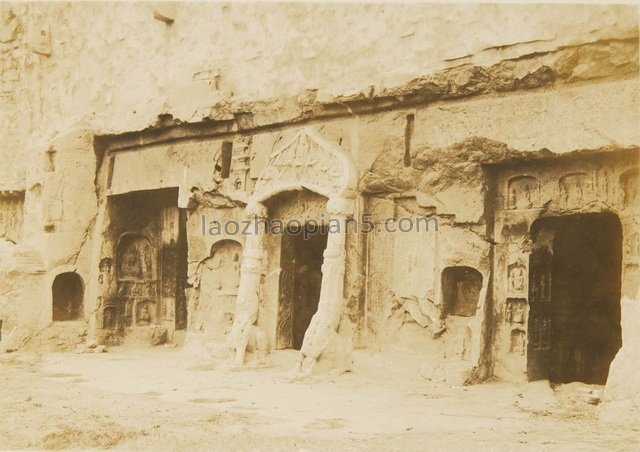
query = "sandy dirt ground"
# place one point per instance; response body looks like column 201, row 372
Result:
column 169, row 399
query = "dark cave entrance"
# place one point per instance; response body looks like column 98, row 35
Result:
column 150, row 251
column 300, row 281
column 574, row 296
column 67, row 296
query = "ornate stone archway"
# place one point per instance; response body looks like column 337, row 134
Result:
column 308, row 161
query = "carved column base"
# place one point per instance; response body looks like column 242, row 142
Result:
column 326, row 320
column 247, row 303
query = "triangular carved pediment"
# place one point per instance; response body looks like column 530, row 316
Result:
column 307, row 161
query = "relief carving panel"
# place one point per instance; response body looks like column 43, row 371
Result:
column 629, row 186
column 11, row 215
column 517, row 278
column 518, row 342
column 138, row 290
column 516, row 311
column 217, row 288
column 523, row 192
column 575, row 190
column 632, row 248
column 304, row 161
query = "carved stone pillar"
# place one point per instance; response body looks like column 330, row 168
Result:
column 327, row 318
column 246, row 312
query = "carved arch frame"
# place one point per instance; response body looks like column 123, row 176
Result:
column 307, row 161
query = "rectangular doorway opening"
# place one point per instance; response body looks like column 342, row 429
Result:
column 149, row 264
column 301, row 258
column 574, row 298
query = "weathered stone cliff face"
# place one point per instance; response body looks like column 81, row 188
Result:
column 115, row 68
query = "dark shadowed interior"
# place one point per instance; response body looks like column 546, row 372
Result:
column 67, row 294
column 574, row 328
column 461, row 290
column 303, row 256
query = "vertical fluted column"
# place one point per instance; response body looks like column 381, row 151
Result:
column 246, row 313
column 327, row 318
